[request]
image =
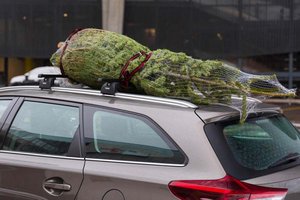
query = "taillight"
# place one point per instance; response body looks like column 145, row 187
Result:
column 227, row 188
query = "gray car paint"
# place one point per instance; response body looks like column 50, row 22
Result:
column 22, row 175
column 150, row 181
column 140, row 180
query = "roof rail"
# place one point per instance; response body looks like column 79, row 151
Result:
column 145, row 98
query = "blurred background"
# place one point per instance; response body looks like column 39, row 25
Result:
column 257, row 36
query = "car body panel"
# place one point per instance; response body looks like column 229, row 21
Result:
column 22, row 175
column 105, row 175
column 118, row 180
column 288, row 178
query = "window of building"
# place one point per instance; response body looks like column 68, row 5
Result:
column 43, row 128
column 122, row 136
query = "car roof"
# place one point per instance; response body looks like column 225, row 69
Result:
column 90, row 96
column 208, row 113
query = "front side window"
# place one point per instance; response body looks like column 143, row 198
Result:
column 123, row 136
column 42, row 128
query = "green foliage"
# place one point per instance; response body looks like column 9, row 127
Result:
column 94, row 53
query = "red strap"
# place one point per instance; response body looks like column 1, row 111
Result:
column 125, row 75
column 64, row 49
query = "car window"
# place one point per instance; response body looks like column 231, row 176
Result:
column 259, row 143
column 123, row 136
column 42, row 128
column 264, row 143
column 3, row 106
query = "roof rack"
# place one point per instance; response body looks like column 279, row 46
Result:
column 49, row 80
column 120, row 95
column 110, row 86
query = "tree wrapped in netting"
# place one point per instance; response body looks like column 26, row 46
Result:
column 90, row 54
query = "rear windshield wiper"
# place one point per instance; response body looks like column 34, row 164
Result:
column 292, row 157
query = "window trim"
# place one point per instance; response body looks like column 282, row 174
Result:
column 8, row 109
column 135, row 162
column 13, row 107
column 75, row 149
column 41, row 155
column 138, row 116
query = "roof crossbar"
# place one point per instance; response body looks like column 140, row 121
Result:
column 49, row 80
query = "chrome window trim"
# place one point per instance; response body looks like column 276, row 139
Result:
column 136, row 162
column 40, row 155
column 92, row 159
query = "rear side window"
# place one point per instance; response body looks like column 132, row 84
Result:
column 258, row 146
column 42, row 128
column 122, row 136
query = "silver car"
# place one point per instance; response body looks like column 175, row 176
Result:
column 63, row 143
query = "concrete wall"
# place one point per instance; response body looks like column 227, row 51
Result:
column 113, row 15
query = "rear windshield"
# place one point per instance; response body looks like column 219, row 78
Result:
column 259, row 146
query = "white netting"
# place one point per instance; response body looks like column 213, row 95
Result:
column 207, row 82
column 91, row 54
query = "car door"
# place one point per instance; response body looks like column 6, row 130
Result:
column 40, row 156
column 125, row 152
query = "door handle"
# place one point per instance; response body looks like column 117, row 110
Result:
column 56, row 186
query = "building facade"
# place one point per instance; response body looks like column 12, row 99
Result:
column 258, row 36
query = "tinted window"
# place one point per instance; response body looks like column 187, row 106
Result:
column 42, row 128
column 259, row 146
column 3, row 106
column 121, row 136
column 259, row 143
